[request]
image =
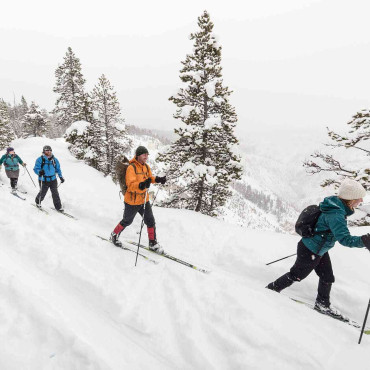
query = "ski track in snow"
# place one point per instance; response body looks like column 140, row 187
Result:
column 69, row 300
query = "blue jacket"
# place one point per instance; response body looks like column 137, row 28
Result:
column 334, row 218
column 11, row 162
column 51, row 167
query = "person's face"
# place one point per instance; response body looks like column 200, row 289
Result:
column 47, row 152
column 356, row 202
column 12, row 152
column 142, row 158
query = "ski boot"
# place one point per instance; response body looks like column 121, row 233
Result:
column 155, row 247
column 114, row 239
column 115, row 235
column 330, row 311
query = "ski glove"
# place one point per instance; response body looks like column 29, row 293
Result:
column 161, row 180
column 41, row 173
column 24, row 164
column 366, row 240
column 145, row 184
column 62, row 180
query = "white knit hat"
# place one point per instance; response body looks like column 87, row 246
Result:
column 351, row 189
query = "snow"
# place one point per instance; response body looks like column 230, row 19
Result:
column 210, row 88
column 79, row 126
column 213, row 120
column 71, row 301
column 185, row 111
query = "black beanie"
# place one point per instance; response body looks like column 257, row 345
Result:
column 141, row 150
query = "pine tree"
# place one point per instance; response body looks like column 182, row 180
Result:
column 80, row 138
column 35, row 123
column 109, row 136
column 338, row 165
column 6, row 132
column 23, row 107
column 202, row 162
column 71, row 103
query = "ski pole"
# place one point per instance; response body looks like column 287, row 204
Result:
column 142, row 224
column 30, row 177
column 363, row 326
column 281, row 259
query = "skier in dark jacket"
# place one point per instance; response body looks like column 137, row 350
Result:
column 312, row 253
column 11, row 163
column 46, row 167
column 138, row 179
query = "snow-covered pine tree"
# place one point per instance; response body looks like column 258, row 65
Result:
column 71, row 102
column 202, row 161
column 34, row 123
column 6, row 131
column 339, row 164
column 23, row 107
column 79, row 136
column 109, row 135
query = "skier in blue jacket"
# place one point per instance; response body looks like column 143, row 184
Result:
column 312, row 253
column 11, row 163
column 47, row 167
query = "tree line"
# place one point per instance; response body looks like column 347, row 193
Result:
column 200, row 163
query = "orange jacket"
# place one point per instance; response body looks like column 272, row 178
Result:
column 134, row 196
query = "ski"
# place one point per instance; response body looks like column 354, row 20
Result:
column 40, row 208
column 17, row 195
column 166, row 255
column 65, row 214
column 344, row 319
column 128, row 249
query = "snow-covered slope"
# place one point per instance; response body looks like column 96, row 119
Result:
column 71, row 301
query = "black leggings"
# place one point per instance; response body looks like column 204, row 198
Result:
column 308, row 261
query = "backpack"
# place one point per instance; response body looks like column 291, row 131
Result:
column 305, row 225
column 121, row 169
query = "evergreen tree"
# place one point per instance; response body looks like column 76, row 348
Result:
column 109, row 135
column 202, row 162
column 79, row 135
column 35, row 123
column 339, row 165
column 71, row 102
column 6, row 131
column 23, row 107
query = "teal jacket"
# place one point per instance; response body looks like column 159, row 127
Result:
column 334, row 218
column 11, row 162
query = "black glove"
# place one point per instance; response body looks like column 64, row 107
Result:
column 366, row 240
column 62, row 180
column 160, row 180
column 145, row 184
column 41, row 173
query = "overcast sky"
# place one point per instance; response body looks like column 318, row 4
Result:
column 295, row 63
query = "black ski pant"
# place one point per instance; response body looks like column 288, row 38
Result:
column 131, row 211
column 305, row 263
column 53, row 185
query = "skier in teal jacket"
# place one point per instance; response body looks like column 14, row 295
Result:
column 11, row 163
column 312, row 253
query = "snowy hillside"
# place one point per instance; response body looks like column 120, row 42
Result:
column 72, row 301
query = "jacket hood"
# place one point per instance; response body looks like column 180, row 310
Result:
column 334, row 205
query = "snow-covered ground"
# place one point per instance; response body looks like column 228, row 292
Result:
column 69, row 300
